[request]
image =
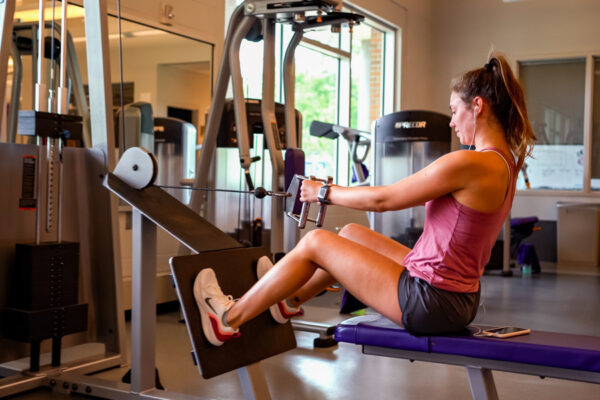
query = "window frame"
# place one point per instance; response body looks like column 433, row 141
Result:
column 388, row 95
column 589, row 58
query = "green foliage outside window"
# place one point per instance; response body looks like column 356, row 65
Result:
column 316, row 99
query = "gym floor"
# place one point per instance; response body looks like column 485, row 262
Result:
column 562, row 303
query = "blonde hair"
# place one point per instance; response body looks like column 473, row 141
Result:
column 497, row 85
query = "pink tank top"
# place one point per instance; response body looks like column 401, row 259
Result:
column 457, row 240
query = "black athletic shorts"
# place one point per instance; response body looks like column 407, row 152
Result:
column 427, row 310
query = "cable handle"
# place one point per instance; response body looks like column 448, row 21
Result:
column 323, row 206
column 294, row 192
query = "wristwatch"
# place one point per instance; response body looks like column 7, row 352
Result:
column 323, row 192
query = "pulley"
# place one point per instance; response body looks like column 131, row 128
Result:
column 139, row 168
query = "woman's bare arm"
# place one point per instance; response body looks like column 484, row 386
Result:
column 449, row 173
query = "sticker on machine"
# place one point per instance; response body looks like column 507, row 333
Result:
column 27, row 200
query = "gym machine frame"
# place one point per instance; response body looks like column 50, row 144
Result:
column 109, row 323
column 242, row 20
column 73, row 73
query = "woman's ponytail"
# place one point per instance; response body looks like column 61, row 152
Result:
column 496, row 83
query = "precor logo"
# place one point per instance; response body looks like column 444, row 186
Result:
column 411, row 124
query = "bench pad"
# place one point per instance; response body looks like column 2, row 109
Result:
column 561, row 350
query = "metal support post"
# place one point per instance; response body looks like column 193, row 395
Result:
column 143, row 302
column 7, row 13
column 103, row 138
column 214, row 117
column 41, row 91
column 289, row 78
column 63, row 99
column 100, row 84
column 79, row 97
column 239, row 102
column 254, row 384
column 506, row 249
column 13, row 112
column 271, row 133
column 482, row 383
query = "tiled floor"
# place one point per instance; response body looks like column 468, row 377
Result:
column 564, row 303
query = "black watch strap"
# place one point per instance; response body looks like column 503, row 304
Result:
column 323, row 193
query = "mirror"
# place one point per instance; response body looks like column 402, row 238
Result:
column 173, row 73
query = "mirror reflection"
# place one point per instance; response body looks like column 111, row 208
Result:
column 162, row 73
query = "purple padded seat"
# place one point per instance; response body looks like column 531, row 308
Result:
column 538, row 348
column 375, row 330
column 522, row 221
column 294, row 164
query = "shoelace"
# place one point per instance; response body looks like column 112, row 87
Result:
column 216, row 291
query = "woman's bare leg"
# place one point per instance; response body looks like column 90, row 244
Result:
column 322, row 279
column 376, row 241
column 371, row 276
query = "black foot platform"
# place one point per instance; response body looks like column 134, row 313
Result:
column 261, row 337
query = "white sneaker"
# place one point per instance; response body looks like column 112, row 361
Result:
column 213, row 304
column 281, row 311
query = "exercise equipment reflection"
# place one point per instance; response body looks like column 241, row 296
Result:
column 355, row 140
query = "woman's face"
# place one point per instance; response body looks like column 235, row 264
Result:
column 462, row 119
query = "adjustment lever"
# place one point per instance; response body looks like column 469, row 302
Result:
column 247, row 173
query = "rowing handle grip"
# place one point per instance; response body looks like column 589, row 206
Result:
column 323, row 207
column 303, row 218
column 321, row 215
column 303, row 215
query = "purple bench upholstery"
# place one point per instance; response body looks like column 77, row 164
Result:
column 547, row 349
column 378, row 331
column 514, row 222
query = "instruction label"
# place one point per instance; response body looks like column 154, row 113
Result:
column 27, row 200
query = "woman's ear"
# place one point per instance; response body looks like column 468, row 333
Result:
column 477, row 104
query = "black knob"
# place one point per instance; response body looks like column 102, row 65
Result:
column 260, row 192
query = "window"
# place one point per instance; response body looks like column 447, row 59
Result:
column 317, row 99
column 340, row 79
column 372, row 70
column 555, row 95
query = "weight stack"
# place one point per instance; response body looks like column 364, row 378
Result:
column 43, row 297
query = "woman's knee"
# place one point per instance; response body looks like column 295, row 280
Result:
column 351, row 230
column 314, row 240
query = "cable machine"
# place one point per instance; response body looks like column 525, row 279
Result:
column 264, row 14
column 68, row 230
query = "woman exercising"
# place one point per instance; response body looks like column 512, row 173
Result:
column 433, row 288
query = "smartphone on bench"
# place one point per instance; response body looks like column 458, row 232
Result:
column 505, row 332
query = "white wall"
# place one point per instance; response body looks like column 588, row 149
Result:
column 198, row 19
column 183, row 88
column 464, row 30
